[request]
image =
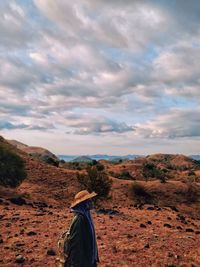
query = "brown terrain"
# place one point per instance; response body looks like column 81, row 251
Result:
column 165, row 232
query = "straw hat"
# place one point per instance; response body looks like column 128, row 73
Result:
column 82, row 196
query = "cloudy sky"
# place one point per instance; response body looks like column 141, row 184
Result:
column 103, row 76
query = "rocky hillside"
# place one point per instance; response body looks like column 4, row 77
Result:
column 36, row 152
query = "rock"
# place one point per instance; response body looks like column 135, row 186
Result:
column 19, row 259
column 180, row 217
column 19, row 244
column 114, row 249
column 1, row 240
column 31, row 233
column 179, row 227
column 197, row 232
column 17, row 201
column 149, row 222
column 174, row 208
column 143, row 225
column 190, row 230
column 129, row 236
column 147, row 246
column 150, row 208
column 21, row 232
column 51, row 252
column 167, row 225
column 107, row 211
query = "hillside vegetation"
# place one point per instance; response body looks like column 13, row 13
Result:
column 12, row 166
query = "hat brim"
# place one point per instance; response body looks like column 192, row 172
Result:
column 89, row 196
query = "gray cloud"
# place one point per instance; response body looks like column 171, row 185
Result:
column 122, row 62
column 176, row 124
column 94, row 126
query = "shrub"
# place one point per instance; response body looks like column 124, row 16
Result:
column 151, row 171
column 12, row 168
column 100, row 167
column 191, row 173
column 124, row 175
column 192, row 193
column 95, row 180
column 51, row 161
column 141, row 194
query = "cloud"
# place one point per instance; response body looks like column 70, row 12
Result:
column 100, row 67
column 93, row 126
column 176, row 124
column 10, row 126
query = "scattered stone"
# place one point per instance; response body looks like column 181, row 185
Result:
column 19, row 244
column 150, row 208
column 143, row 225
column 108, row 211
column 21, row 232
column 19, row 259
column 179, row 227
column 17, row 201
column 129, row 236
column 190, row 230
column 51, row 252
column 167, row 225
column 197, row 232
column 181, row 217
column 31, row 233
column 147, row 246
column 174, row 208
column 1, row 240
column 114, row 249
column 149, row 222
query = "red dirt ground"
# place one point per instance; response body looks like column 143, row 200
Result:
column 166, row 234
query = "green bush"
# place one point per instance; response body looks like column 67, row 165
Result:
column 151, row 171
column 12, row 168
column 95, row 180
column 100, row 167
column 125, row 175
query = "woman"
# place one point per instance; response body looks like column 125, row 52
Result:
column 81, row 247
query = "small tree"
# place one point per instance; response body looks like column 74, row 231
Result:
column 12, row 168
column 95, row 180
column 100, row 167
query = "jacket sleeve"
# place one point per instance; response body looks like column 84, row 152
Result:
column 75, row 244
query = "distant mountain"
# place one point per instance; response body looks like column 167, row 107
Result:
column 99, row 157
column 82, row 159
column 196, row 157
